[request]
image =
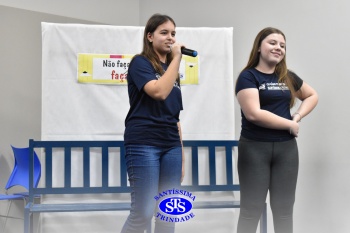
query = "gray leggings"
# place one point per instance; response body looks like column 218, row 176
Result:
column 263, row 167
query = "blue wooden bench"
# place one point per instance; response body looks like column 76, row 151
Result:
column 48, row 147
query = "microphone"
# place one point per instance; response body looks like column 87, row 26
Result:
column 189, row 52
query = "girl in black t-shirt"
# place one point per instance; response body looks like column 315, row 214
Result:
column 267, row 151
column 152, row 137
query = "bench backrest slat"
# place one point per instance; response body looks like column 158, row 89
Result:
column 195, row 179
column 229, row 162
column 86, row 167
column 48, row 167
column 212, row 165
column 105, row 168
column 67, row 167
column 123, row 171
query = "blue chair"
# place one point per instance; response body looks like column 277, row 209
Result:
column 20, row 177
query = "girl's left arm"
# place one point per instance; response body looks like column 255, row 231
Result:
column 309, row 98
column 183, row 154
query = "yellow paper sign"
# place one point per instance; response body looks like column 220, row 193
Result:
column 113, row 69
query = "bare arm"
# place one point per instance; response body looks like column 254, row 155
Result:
column 309, row 98
column 161, row 88
column 250, row 105
column 183, row 154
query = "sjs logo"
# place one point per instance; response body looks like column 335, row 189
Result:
column 175, row 206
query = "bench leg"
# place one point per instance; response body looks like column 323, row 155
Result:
column 263, row 221
column 26, row 221
column 149, row 227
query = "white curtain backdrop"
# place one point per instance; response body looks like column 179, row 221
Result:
column 74, row 111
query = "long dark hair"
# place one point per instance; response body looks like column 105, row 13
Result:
column 281, row 70
column 148, row 51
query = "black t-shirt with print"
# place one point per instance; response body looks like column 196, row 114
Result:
column 273, row 96
column 149, row 121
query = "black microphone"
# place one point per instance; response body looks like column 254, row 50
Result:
column 188, row 52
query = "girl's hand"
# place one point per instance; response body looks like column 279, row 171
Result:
column 175, row 49
column 296, row 117
column 294, row 128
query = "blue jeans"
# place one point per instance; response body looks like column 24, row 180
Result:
column 151, row 170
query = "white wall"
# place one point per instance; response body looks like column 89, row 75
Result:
column 318, row 36
column 119, row 12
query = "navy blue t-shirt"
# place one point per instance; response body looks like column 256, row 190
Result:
column 149, row 121
column 273, row 96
